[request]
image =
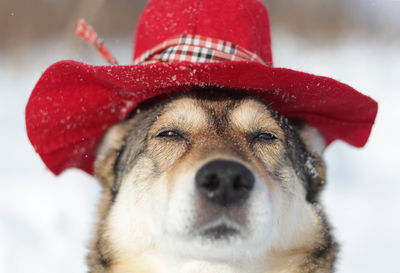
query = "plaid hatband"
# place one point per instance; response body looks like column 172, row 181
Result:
column 196, row 49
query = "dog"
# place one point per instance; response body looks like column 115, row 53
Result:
column 211, row 180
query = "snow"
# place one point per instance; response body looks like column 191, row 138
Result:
column 46, row 222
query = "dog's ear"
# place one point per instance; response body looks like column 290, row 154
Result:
column 312, row 139
column 108, row 152
column 315, row 145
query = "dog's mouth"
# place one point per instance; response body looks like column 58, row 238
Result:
column 219, row 232
column 221, row 228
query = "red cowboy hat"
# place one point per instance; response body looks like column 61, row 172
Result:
column 182, row 44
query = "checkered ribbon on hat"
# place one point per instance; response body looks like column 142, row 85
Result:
column 196, row 49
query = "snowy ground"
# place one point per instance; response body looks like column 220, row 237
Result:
column 45, row 222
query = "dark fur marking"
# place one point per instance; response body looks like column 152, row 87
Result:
column 329, row 249
column 105, row 262
column 299, row 156
column 115, row 187
column 135, row 135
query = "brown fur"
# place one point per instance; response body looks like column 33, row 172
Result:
column 219, row 126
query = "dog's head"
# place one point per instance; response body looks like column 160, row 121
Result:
column 210, row 174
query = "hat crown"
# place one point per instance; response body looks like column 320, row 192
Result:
column 242, row 22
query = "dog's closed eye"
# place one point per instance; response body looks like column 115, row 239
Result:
column 265, row 136
column 170, row 134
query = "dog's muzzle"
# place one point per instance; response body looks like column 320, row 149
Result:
column 224, row 182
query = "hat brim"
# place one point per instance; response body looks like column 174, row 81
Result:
column 73, row 103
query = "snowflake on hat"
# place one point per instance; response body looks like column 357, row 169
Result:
column 180, row 45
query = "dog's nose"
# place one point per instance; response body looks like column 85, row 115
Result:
column 224, row 182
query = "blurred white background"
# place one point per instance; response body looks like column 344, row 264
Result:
column 46, row 221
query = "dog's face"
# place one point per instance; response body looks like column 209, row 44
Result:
column 210, row 175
